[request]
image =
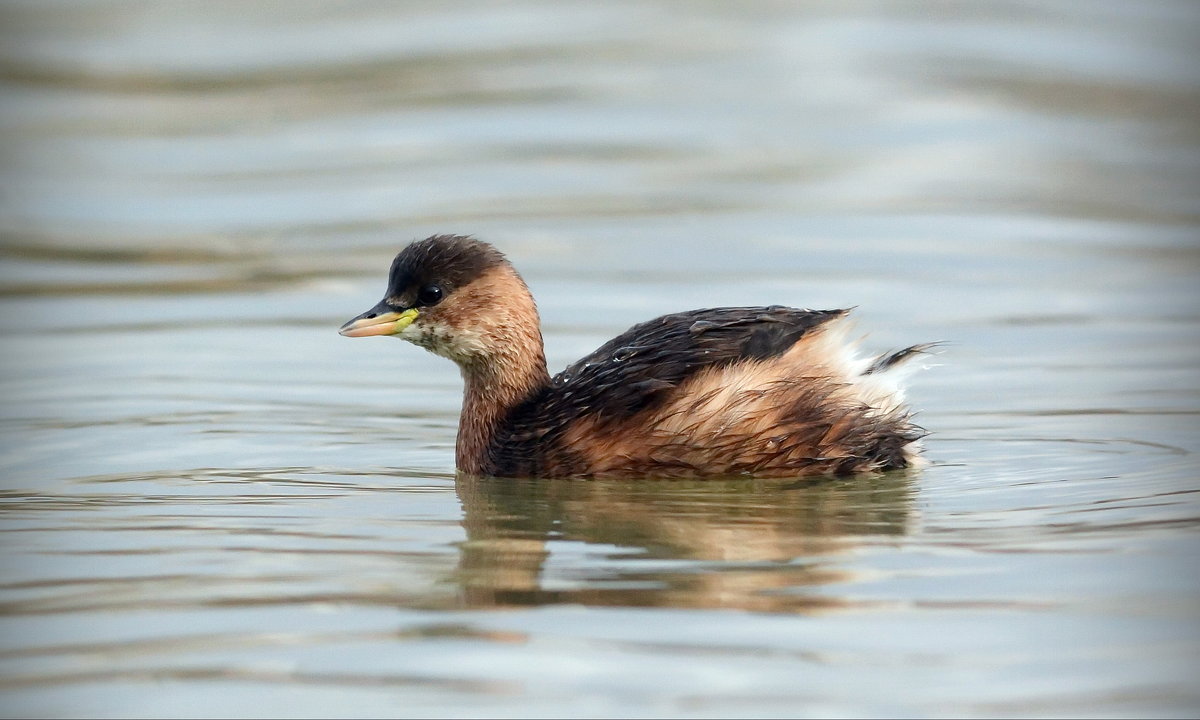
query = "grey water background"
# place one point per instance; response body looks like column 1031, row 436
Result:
column 214, row 506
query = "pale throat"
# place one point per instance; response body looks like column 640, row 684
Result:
column 491, row 330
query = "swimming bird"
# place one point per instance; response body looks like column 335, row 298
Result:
column 766, row 391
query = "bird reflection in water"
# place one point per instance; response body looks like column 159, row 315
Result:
column 749, row 544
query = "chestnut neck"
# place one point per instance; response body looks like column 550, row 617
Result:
column 512, row 370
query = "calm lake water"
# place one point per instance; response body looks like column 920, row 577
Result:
column 213, row 505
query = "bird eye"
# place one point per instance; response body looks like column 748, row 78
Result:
column 429, row 295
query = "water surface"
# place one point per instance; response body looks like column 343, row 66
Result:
column 213, row 505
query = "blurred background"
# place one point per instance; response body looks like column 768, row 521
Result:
column 204, row 486
column 283, row 137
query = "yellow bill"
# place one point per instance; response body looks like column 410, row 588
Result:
column 379, row 320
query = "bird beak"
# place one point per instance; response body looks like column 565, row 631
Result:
column 379, row 320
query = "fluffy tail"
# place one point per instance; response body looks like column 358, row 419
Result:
column 887, row 361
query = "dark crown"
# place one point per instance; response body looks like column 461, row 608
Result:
column 450, row 261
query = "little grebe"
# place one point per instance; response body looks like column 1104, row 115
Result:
column 769, row 391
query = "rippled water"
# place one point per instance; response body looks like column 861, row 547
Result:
column 213, row 505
